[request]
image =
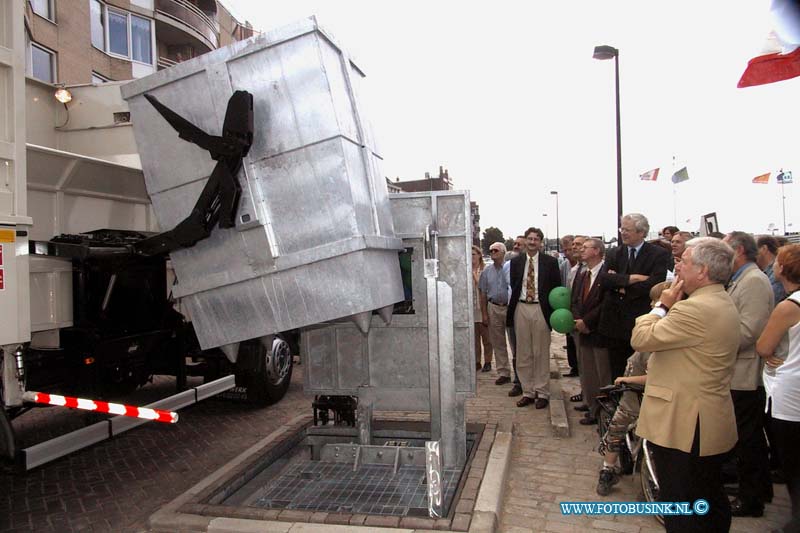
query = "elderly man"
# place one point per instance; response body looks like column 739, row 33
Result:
column 572, row 259
column 519, row 247
column 678, row 243
column 633, row 269
column 533, row 276
column 752, row 294
column 585, row 305
column 493, row 286
column 767, row 251
column 687, row 412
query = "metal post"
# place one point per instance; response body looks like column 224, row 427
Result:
column 558, row 233
column 619, row 149
column 783, row 202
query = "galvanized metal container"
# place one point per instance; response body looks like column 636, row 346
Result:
column 389, row 368
column 314, row 237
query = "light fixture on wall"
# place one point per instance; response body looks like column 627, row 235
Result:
column 63, row 95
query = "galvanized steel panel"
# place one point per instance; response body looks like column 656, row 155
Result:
column 314, row 238
column 396, row 376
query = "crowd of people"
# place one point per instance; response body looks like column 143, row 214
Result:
column 709, row 325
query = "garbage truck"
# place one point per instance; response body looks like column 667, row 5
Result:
column 251, row 205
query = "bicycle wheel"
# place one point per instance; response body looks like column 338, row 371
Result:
column 649, row 477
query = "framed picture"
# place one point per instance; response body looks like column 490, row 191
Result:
column 710, row 224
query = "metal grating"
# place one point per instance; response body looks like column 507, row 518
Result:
column 335, row 487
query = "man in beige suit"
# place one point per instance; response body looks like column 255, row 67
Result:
column 752, row 294
column 687, row 412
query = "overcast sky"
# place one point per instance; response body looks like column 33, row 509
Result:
column 507, row 97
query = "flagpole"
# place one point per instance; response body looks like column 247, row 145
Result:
column 783, row 202
column 674, row 196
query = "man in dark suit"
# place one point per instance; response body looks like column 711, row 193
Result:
column 633, row 269
column 587, row 299
column 533, row 275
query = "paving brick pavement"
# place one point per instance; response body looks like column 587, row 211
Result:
column 116, row 485
column 546, row 470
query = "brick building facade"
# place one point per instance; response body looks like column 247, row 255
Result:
column 76, row 42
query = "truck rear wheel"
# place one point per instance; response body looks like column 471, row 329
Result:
column 269, row 372
column 7, row 441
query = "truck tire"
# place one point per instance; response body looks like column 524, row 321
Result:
column 8, row 448
column 269, row 372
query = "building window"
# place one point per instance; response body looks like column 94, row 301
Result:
column 98, row 25
column 43, row 8
column 118, row 33
column 141, row 45
column 121, row 33
column 43, row 64
column 97, row 79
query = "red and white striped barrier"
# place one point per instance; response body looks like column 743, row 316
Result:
column 157, row 415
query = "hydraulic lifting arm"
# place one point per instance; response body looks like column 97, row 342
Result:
column 220, row 198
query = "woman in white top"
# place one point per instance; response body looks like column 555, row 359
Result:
column 782, row 377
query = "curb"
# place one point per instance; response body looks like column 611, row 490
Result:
column 489, row 504
column 558, row 410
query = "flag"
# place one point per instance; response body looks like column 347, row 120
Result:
column 763, row 178
column 650, row 175
column 780, row 59
column 784, row 177
column 681, row 175
column 770, row 68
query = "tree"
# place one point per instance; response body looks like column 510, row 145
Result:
column 491, row 235
column 509, row 244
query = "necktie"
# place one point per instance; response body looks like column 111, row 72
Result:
column 587, row 285
column 530, row 282
column 631, row 259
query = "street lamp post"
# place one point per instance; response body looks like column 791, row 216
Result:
column 558, row 235
column 544, row 228
column 609, row 52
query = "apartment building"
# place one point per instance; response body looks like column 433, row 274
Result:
column 75, row 42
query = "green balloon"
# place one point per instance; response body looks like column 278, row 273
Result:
column 559, row 298
column 562, row 320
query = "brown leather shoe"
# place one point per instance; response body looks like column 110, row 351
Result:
column 541, row 403
column 525, row 401
column 502, row 380
column 516, row 390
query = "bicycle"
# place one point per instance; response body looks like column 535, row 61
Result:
column 636, row 455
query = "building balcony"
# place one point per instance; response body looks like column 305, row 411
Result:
column 187, row 17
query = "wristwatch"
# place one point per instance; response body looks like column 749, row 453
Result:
column 662, row 306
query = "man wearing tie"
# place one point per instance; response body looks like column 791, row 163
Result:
column 592, row 353
column 633, row 269
column 533, row 275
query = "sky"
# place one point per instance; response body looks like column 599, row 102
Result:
column 507, row 97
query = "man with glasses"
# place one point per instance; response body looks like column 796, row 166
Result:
column 569, row 268
column 585, row 305
column 533, row 275
column 493, row 287
column 633, row 269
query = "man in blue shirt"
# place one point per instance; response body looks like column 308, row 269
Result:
column 767, row 250
column 493, row 286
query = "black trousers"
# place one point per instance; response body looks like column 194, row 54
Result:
column 787, row 435
column 752, row 460
column 618, row 352
column 687, row 477
column 572, row 352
